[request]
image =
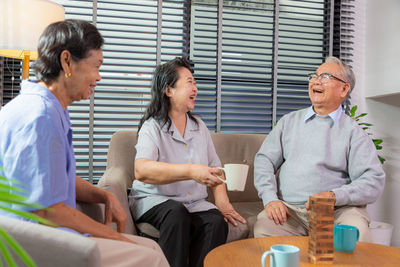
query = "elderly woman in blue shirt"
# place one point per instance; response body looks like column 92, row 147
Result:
column 175, row 163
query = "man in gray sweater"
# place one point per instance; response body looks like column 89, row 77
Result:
column 319, row 151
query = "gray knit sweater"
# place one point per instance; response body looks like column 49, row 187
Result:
column 318, row 155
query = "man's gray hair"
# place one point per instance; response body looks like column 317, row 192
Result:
column 347, row 72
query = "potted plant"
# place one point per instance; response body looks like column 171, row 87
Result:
column 7, row 242
column 366, row 126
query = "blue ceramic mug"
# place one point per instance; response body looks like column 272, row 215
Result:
column 282, row 256
column 345, row 237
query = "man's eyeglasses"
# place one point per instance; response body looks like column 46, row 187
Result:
column 323, row 77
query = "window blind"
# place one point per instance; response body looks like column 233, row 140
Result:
column 243, row 39
column 344, row 31
column 303, row 45
column 203, row 52
column 239, row 38
column 247, row 45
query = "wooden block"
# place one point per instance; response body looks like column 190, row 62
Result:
column 321, row 222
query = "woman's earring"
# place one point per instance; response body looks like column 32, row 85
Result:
column 67, row 75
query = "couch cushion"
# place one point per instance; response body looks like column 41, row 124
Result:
column 237, row 232
column 239, row 148
column 148, row 230
column 52, row 247
column 122, row 153
column 249, row 211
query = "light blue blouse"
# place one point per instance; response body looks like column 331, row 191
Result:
column 36, row 146
column 157, row 143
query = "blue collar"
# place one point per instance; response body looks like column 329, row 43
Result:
column 334, row 115
column 31, row 87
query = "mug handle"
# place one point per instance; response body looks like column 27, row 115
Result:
column 358, row 234
column 265, row 254
column 219, row 177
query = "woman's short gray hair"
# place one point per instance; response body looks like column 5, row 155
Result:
column 347, row 72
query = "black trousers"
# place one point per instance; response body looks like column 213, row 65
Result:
column 186, row 238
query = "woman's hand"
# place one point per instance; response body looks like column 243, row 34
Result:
column 205, row 175
column 230, row 214
column 114, row 212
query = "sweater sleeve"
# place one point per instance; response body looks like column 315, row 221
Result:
column 365, row 172
column 267, row 161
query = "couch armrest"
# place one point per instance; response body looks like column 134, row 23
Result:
column 114, row 181
column 50, row 247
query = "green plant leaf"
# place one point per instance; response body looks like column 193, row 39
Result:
column 7, row 188
column 353, row 111
column 13, row 196
column 15, row 199
column 365, row 124
column 377, row 141
column 8, row 195
column 30, row 216
column 361, row 115
column 8, row 181
column 17, row 248
column 6, row 254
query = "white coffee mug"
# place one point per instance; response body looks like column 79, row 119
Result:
column 236, row 176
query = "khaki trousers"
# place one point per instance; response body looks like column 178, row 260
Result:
column 297, row 223
column 122, row 254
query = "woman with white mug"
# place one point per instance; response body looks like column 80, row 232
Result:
column 175, row 162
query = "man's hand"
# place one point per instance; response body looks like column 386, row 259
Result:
column 205, row 175
column 114, row 212
column 230, row 214
column 277, row 211
column 322, row 194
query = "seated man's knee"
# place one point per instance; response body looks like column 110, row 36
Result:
column 264, row 226
column 363, row 228
column 357, row 217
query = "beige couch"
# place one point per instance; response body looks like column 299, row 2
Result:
column 231, row 148
column 51, row 247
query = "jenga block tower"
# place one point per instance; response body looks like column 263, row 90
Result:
column 321, row 221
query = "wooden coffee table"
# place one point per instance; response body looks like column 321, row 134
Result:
column 247, row 252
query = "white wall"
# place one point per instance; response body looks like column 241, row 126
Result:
column 379, row 95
